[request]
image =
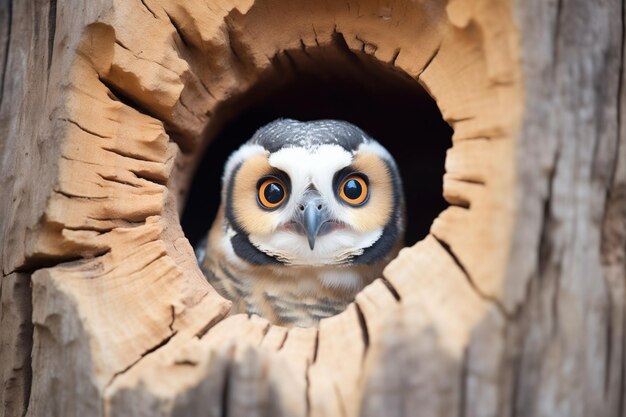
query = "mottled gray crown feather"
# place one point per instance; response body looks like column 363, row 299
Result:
column 284, row 133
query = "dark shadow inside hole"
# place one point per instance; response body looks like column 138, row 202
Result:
column 332, row 83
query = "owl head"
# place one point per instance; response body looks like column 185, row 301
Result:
column 312, row 193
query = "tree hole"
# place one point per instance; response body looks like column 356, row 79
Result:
column 331, row 83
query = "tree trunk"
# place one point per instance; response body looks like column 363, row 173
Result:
column 513, row 305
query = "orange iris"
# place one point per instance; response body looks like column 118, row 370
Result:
column 272, row 193
column 353, row 190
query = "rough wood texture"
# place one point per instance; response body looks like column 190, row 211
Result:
column 513, row 305
column 15, row 343
column 573, row 310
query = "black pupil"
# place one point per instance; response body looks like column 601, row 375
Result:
column 274, row 193
column 352, row 189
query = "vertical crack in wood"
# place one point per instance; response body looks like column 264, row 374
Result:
column 208, row 91
column 307, row 374
column 364, row 332
column 28, row 363
column 16, row 342
column 282, row 344
column 620, row 143
column 622, row 377
column 230, row 35
column 264, row 331
column 178, row 30
column 463, row 385
column 391, row 289
column 291, row 60
column 316, row 346
column 557, row 32
column 339, row 40
column 189, row 108
column 317, row 42
column 307, row 380
column 546, row 244
column 613, row 239
column 143, row 2
column 173, row 315
column 8, row 6
column 227, row 378
column 429, row 61
column 52, row 24
column 516, row 378
column 609, row 348
column 497, row 303
column 394, row 57
column 620, row 87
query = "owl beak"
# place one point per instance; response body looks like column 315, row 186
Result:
column 313, row 218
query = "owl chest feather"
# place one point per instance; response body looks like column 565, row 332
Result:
column 289, row 296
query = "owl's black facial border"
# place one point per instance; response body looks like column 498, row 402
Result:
column 385, row 244
column 240, row 242
column 340, row 177
column 248, row 252
column 381, row 248
column 228, row 209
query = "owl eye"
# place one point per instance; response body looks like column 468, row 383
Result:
column 271, row 193
column 353, row 190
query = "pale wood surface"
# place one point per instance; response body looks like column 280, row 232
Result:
column 513, row 305
column 572, row 309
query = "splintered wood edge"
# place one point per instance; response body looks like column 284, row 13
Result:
column 112, row 206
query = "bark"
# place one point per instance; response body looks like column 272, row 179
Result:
column 15, row 343
column 514, row 304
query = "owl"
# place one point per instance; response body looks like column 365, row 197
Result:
column 311, row 212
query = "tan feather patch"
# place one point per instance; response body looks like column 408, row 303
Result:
column 249, row 215
column 377, row 211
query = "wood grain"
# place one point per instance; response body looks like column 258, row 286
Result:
column 513, row 305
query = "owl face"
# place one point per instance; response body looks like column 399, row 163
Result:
column 312, row 193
